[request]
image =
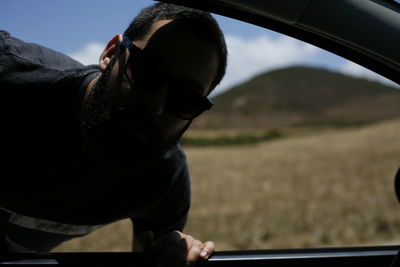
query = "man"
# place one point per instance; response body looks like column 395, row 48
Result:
column 86, row 146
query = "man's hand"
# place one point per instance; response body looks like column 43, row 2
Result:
column 178, row 250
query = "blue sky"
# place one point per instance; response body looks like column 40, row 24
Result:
column 81, row 28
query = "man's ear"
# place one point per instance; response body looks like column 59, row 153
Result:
column 109, row 51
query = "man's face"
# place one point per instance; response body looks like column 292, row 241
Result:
column 149, row 128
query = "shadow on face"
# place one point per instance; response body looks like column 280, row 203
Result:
column 149, row 128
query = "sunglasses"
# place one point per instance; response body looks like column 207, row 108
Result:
column 147, row 72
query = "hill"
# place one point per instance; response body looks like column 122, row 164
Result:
column 301, row 96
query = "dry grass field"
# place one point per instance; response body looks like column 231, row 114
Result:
column 330, row 188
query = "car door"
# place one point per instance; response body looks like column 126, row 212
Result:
column 364, row 31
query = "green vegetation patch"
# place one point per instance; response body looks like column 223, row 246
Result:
column 225, row 140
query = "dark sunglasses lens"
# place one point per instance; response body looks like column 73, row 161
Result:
column 146, row 71
column 186, row 103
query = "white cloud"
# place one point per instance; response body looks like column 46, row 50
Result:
column 249, row 57
column 89, row 54
column 353, row 69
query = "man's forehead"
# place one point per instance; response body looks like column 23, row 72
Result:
column 154, row 27
column 168, row 29
column 181, row 48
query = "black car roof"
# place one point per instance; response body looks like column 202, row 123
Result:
column 366, row 32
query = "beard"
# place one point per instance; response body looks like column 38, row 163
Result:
column 118, row 126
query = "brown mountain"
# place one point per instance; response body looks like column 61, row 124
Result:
column 300, row 96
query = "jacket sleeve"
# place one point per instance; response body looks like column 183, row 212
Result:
column 171, row 211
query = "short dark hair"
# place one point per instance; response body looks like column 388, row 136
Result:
column 142, row 23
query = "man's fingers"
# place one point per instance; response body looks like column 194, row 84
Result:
column 194, row 251
column 178, row 249
column 207, row 250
